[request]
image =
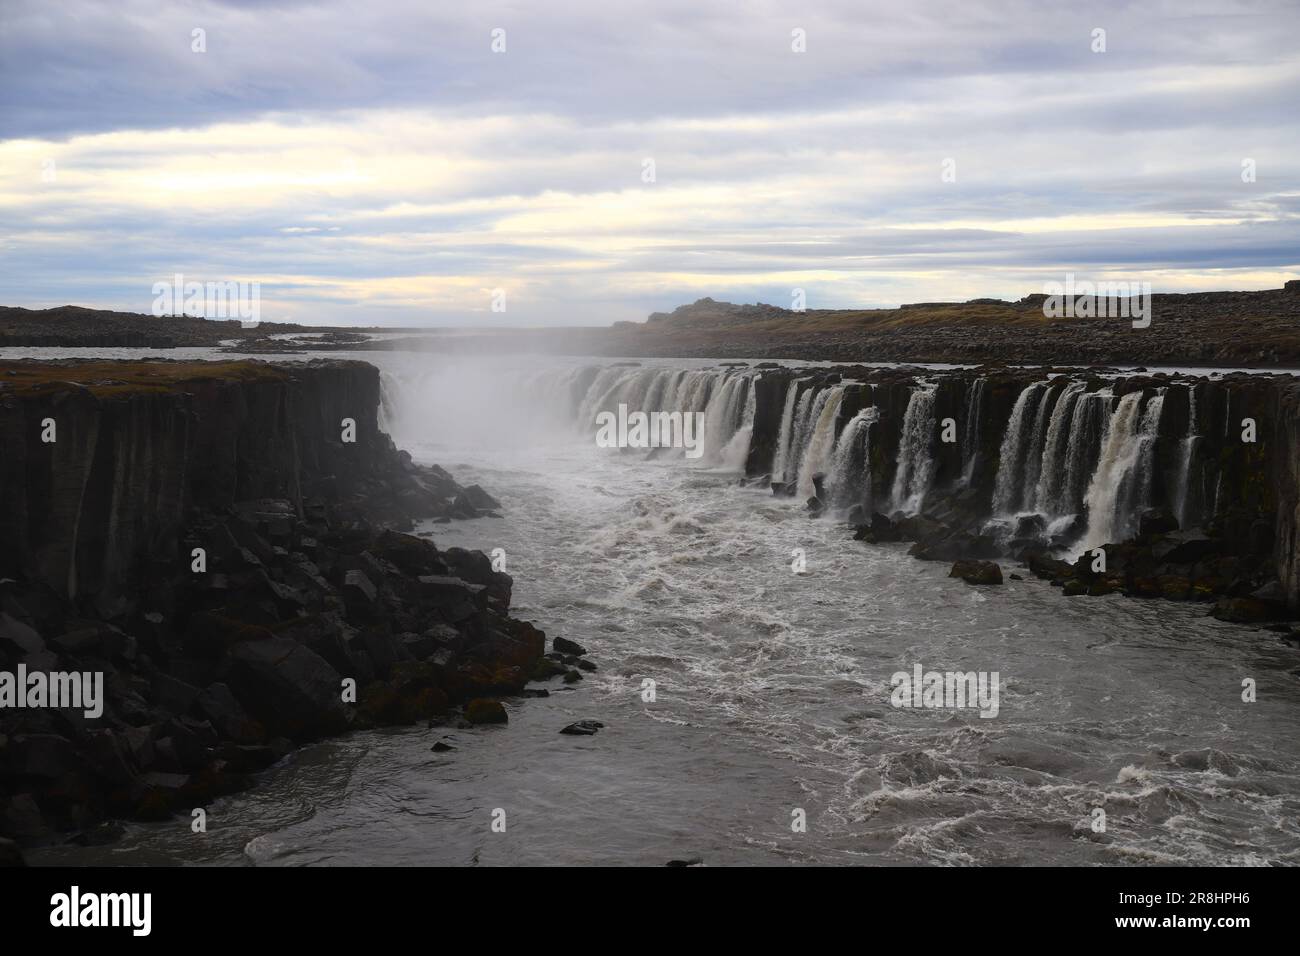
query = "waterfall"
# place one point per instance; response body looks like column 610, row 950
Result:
column 1049, row 494
column 821, row 439
column 736, row 452
column 1006, row 491
column 849, row 480
column 722, row 415
column 915, row 467
column 1091, row 414
column 724, row 397
column 785, row 435
column 1121, row 485
column 1188, row 447
column 1034, row 450
column 804, row 412
column 971, row 432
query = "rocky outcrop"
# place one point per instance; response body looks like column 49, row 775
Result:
column 208, row 539
column 1287, row 482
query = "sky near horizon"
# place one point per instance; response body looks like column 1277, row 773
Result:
column 395, row 162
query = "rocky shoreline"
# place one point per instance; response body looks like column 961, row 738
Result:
column 206, row 537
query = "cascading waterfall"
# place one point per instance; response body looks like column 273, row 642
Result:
column 821, row 441
column 1028, row 483
column 723, row 415
column 848, row 481
column 1049, row 494
column 1091, row 415
column 1067, row 451
column 724, row 398
column 1011, row 458
column 971, row 433
column 735, row 453
column 805, row 411
column 785, row 435
column 1187, row 458
column 1121, row 485
column 916, row 463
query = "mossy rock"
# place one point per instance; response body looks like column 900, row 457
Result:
column 481, row 710
column 545, row 669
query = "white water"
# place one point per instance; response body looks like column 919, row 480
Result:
column 1049, row 494
column 1006, row 492
column 971, row 432
column 846, row 484
column 1122, row 483
column 816, row 457
column 786, row 434
column 915, row 468
column 1187, row 459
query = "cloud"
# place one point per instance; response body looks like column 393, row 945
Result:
column 379, row 163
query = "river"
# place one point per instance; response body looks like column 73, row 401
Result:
column 771, row 691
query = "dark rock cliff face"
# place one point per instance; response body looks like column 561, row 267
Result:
column 1287, row 481
column 306, row 611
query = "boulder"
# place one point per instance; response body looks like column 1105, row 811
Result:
column 480, row 499
column 1156, row 522
column 288, row 687
column 565, row 646
column 582, row 728
column 220, row 707
column 484, row 711
column 10, row 855
column 1244, row 610
column 358, row 591
column 977, row 572
column 1191, row 551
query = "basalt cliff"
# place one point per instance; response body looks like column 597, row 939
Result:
column 1155, row 485
column 226, row 543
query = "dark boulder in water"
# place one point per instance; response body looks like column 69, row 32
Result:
column 480, row 499
column 582, row 728
column 977, row 572
column 1030, row 526
column 565, row 646
column 483, row 711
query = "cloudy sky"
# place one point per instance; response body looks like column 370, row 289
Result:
column 378, row 162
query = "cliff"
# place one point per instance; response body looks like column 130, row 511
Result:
column 218, row 543
column 1187, row 505
column 1186, row 484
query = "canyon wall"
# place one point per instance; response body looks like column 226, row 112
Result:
column 308, row 611
column 1188, row 483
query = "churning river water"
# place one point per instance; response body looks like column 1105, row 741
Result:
column 771, row 691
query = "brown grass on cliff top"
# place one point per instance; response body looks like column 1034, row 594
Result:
column 106, row 377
